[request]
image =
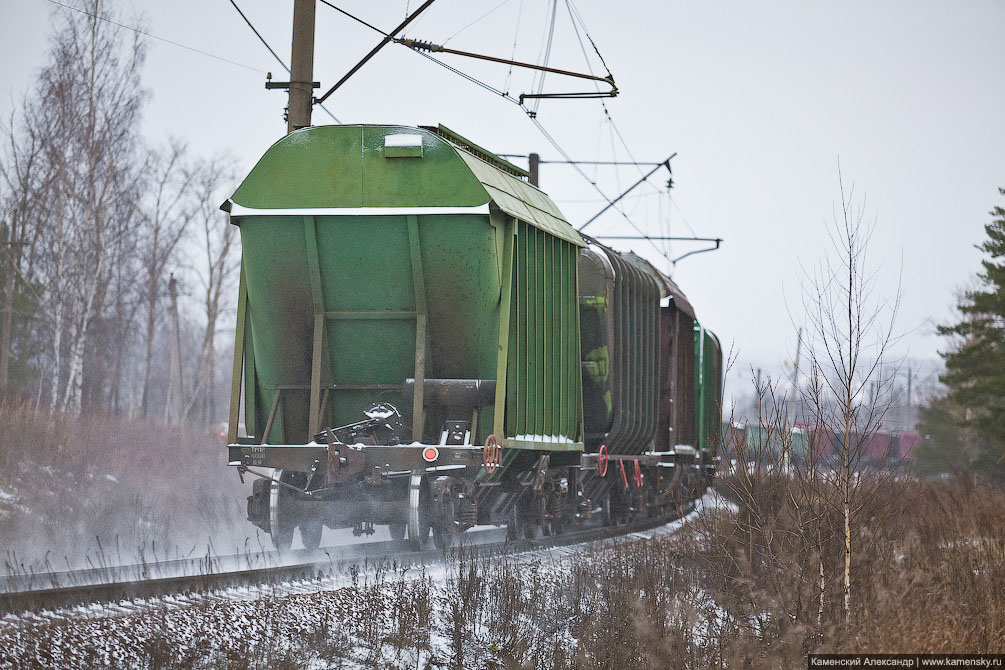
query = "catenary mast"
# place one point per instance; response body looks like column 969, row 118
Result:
column 302, row 66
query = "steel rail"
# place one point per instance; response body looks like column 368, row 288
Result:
column 314, row 566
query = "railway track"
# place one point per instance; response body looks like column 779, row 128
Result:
column 61, row 595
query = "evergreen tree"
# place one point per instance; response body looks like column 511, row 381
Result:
column 975, row 366
column 23, row 341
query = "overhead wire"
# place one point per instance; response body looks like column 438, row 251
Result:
column 530, row 113
column 449, row 67
column 683, row 218
column 512, row 56
column 259, row 35
column 572, row 8
column 273, row 52
column 473, row 80
column 577, row 22
column 576, row 19
column 554, row 143
column 408, row 6
column 146, row 33
column 354, row 17
column 547, row 55
column 491, row 11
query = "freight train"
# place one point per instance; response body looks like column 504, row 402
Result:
column 424, row 342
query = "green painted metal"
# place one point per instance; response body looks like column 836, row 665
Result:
column 419, row 290
column 505, row 307
column 544, row 379
column 373, row 319
column 318, row 302
column 344, row 166
column 708, row 391
column 464, row 143
column 343, row 304
column 712, row 395
column 521, row 200
column 348, row 166
column 235, row 388
column 250, row 376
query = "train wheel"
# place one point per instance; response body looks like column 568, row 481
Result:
column 530, row 512
column 310, row 533
column 280, row 523
column 606, row 515
column 443, row 519
column 397, row 531
column 513, row 525
column 615, row 508
column 418, row 511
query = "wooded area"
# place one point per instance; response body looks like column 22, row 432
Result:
column 117, row 264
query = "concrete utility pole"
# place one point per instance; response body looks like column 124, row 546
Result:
column 174, row 408
column 302, row 66
column 793, row 414
column 910, row 419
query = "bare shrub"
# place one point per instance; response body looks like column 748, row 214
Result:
column 80, row 485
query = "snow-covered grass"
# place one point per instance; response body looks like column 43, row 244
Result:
column 708, row 592
column 473, row 612
column 83, row 491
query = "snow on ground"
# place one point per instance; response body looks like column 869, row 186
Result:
column 375, row 616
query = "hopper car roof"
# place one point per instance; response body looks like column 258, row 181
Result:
column 349, row 170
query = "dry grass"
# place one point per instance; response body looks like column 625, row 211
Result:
column 101, row 489
column 929, row 577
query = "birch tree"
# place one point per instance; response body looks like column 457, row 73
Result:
column 851, row 329
column 91, row 114
column 167, row 215
column 217, row 247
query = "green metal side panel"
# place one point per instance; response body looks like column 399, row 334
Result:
column 367, row 284
column 768, row 442
column 343, row 307
column 346, row 166
column 710, row 400
column 699, row 388
column 544, row 379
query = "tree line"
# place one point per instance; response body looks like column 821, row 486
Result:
column 97, row 226
column 965, row 427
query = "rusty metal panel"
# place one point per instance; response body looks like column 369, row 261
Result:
column 632, row 337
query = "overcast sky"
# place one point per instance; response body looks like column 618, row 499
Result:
column 759, row 100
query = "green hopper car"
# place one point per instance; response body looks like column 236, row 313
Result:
column 418, row 331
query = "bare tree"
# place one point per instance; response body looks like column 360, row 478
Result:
column 851, row 329
column 807, row 483
column 218, row 243
column 87, row 106
column 166, row 220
